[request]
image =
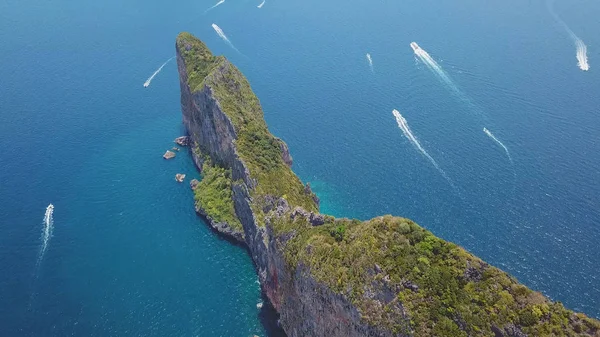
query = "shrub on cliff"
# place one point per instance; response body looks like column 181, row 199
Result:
column 213, row 194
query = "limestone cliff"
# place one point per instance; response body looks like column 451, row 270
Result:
column 338, row 277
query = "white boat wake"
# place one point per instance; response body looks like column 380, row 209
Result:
column 580, row 47
column 223, row 36
column 403, row 125
column 261, row 4
column 514, row 171
column 216, row 5
column 370, row 60
column 435, row 67
column 149, row 80
column 491, row 135
column 46, row 232
column 582, row 60
column 425, row 58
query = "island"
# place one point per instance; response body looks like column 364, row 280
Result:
column 329, row 276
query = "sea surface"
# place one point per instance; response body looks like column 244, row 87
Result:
column 124, row 254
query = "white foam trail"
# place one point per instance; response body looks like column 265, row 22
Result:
column 580, row 47
column 425, row 58
column 223, row 36
column 220, row 33
column 261, row 4
column 46, row 231
column 491, row 135
column 435, row 67
column 216, row 5
column 582, row 60
column 370, row 60
column 403, row 125
column 149, row 80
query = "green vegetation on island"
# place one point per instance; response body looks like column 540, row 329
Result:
column 256, row 146
column 445, row 290
column 213, row 195
column 398, row 275
column 199, row 60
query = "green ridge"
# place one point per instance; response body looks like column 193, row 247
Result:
column 445, row 290
column 256, row 146
column 453, row 286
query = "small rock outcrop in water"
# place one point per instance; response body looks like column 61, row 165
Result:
column 175, row 148
column 169, row 155
column 194, row 183
column 338, row 277
column 182, row 141
column 179, row 177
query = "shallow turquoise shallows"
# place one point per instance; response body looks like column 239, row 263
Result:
column 127, row 255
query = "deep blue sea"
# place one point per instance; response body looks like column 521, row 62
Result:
column 128, row 256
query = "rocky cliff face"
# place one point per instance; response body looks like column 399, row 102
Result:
column 212, row 133
column 341, row 277
column 210, row 129
column 306, row 307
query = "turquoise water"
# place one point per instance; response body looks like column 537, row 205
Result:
column 128, row 256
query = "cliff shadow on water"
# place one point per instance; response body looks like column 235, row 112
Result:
column 327, row 276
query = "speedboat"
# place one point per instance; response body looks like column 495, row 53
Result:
column 414, row 46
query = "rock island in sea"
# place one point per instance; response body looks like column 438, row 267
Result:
column 327, row 276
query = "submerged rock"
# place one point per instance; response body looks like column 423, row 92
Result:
column 169, row 155
column 175, row 148
column 180, row 177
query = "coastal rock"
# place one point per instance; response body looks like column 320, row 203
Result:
column 308, row 190
column 194, row 183
column 182, row 141
column 299, row 211
column 175, row 149
column 179, row 177
column 222, row 227
column 314, row 219
column 285, row 152
column 312, row 297
column 169, row 155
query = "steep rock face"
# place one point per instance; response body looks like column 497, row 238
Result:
column 211, row 133
column 285, row 153
column 210, row 129
column 342, row 277
column 307, row 307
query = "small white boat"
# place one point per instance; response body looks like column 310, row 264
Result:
column 414, row 46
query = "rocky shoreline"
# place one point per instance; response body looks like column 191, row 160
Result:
column 338, row 277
